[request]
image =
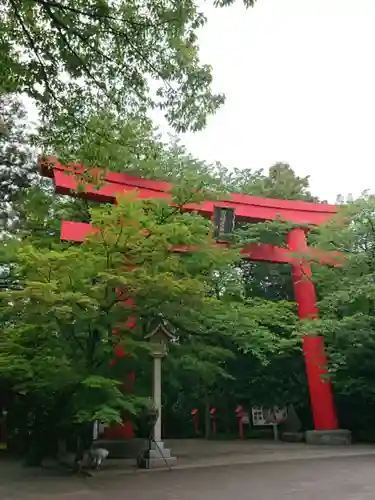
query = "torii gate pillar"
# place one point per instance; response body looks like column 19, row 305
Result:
column 321, row 397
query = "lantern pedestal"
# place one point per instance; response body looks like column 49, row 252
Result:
column 157, row 455
column 157, row 394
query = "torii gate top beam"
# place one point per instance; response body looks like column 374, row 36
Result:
column 247, row 208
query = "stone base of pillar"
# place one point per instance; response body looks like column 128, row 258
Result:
column 330, row 438
column 293, row 437
column 156, row 457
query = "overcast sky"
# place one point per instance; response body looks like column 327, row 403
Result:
column 299, row 76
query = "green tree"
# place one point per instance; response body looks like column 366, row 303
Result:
column 153, row 158
column 270, row 282
column 125, row 55
column 57, row 341
column 280, row 182
column 17, row 158
column 347, row 311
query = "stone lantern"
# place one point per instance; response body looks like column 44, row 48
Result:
column 159, row 337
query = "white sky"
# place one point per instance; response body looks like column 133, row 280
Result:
column 299, row 76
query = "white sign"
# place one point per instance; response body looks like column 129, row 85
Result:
column 263, row 415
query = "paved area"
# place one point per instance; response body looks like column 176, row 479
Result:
column 350, row 478
column 201, row 453
column 237, row 470
column 204, row 454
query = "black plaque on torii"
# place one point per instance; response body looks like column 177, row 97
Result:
column 224, row 219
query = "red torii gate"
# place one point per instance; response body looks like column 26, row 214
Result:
column 246, row 209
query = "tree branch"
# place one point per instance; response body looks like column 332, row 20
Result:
column 117, row 32
column 45, row 76
column 34, row 49
column 60, row 26
column 96, row 17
